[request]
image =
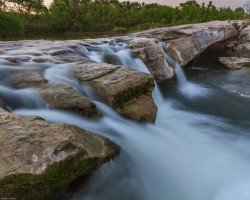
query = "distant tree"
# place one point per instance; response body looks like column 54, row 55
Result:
column 239, row 12
column 24, row 6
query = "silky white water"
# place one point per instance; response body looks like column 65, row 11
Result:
column 188, row 154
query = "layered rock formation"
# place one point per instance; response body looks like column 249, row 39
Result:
column 235, row 62
column 119, row 86
column 183, row 43
column 37, row 158
column 124, row 89
column 186, row 41
column 153, row 56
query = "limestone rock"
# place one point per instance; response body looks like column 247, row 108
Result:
column 184, row 42
column 183, row 49
column 234, row 62
column 37, row 158
column 117, row 85
column 152, row 55
column 245, row 34
column 23, row 77
column 141, row 109
column 65, row 97
column 59, row 96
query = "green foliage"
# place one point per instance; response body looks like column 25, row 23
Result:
column 10, row 25
column 79, row 16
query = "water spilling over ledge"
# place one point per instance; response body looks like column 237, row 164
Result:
column 196, row 150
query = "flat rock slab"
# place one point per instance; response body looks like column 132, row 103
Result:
column 235, row 62
column 37, row 158
column 64, row 97
column 118, row 85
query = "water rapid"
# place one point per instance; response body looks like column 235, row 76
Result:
column 188, row 154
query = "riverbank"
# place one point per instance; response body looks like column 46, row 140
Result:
column 35, row 20
column 91, row 84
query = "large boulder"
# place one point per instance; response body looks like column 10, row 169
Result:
column 235, row 62
column 38, row 158
column 186, row 41
column 153, row 56
column 119, row 85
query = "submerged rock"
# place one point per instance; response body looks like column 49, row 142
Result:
column 153, row 56
column 23, row 77
column 119, row 85
column 235, row 62
column 38, row 158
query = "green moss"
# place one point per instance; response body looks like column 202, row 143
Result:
column 131, row 92
column 56, row 177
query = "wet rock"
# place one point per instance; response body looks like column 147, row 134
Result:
column 152, row 55
column 18, row 59
column 23, row 77
column 140, row 109
column 235, row 62
column 118, row 85
column 65, row 97
column 183, row 49
column 90, row 71
column 38, row 158
column 186, row 41
column 59, row 96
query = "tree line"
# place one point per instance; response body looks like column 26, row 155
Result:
column 77, row 17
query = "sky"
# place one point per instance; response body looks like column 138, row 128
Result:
column 219, row 3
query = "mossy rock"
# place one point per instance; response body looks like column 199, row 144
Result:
column 38, row 158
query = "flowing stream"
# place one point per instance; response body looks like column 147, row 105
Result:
column 198, row 149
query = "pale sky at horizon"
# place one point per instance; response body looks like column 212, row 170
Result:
column 219, row 3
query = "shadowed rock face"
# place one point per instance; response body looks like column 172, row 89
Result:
column 235, row 62
column 37, row 158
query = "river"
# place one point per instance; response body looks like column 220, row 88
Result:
column 198, row 148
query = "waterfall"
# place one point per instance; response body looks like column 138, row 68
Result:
column 182, row 80
column 22, row 98
column 185, row 155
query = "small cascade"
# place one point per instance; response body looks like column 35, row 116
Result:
column 185, row 87
column 182, row 80
column 23, row 98
column 185, row 155
column 118, row 54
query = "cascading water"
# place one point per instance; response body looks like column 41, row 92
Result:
column 186, row 155
column 182, row 80
column 189, row 89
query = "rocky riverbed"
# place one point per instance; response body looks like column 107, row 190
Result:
column 35, row 154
